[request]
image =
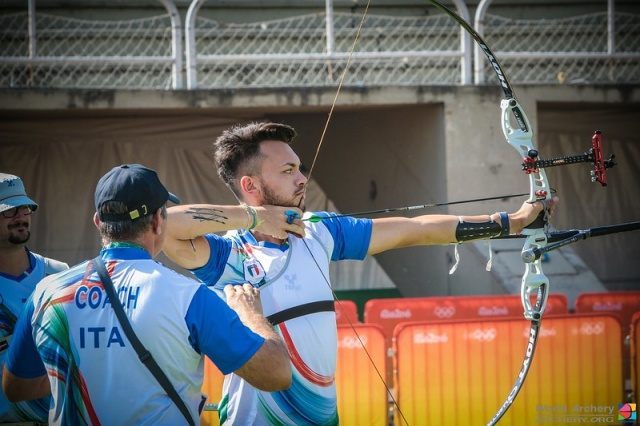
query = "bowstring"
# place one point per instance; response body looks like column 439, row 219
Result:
column 340, row 82
column 313, row 163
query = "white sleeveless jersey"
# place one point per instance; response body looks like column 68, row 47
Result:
column 290, row 276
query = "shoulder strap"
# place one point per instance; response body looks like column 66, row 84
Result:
column 144, row 355
column 301, row 310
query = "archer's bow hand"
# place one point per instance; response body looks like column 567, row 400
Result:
column 529, row 212
column 274, row 221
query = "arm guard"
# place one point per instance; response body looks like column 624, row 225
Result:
column 467, row 231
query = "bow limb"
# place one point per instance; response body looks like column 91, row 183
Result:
column 521, row 138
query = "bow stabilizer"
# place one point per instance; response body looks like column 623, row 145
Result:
column 559, row 239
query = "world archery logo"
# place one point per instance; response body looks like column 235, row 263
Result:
column 627, row 413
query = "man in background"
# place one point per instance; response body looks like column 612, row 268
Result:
column 20, row 271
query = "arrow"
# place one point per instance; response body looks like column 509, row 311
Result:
column 315, row 218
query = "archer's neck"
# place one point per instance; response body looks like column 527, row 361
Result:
column 259, row 236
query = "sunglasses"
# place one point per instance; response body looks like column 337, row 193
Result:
column 25, row 210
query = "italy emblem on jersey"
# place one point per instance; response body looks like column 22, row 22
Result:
column 254, row 273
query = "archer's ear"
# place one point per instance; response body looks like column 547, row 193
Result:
column 249, row 185
column 96, row 220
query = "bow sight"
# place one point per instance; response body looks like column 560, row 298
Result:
column 531, row 163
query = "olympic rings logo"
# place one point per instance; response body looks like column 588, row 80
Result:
column 350, row 342
column 444, row 311
column 482, row 335
column 591, row 329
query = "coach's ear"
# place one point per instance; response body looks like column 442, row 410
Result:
column 96, row 220
column 157, row 222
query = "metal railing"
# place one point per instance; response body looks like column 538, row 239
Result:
column 41, row 50
column 311, row 50
column 581, row 49
column 280, row 59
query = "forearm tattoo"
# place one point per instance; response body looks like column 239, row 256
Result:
column 207, row 215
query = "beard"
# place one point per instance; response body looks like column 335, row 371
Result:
column 269, row 197
column 21, row 236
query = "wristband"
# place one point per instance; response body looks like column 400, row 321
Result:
column 504, row 222
column 252, row 215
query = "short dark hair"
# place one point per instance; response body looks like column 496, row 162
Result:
column 124, row 230
column 236, row 149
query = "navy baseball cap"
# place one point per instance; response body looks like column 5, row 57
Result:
column 12, row 193
column 134, row 185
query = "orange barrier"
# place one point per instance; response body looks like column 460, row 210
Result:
column 390, row 312
column 622, row 303
column 346, row 308
column 212, row 387
column 635, row 356
column 460, row 372
column 362, row 396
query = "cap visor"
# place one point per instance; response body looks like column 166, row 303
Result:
column 18, row 201
column 174, row 198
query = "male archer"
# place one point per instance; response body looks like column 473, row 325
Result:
column 258, row 164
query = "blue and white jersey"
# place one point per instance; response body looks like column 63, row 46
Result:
column 71, row 333
column 294, row 274
column 14, row 292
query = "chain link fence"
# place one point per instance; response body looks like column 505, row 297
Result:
column 74, row 53
column 61, row 52
column 576, row 50
column 389, row 50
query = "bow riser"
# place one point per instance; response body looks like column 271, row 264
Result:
column 532, row 280
column 522, row 140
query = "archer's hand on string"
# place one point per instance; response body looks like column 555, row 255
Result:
column 279, row 221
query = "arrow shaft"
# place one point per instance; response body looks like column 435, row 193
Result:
column 416, row 207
